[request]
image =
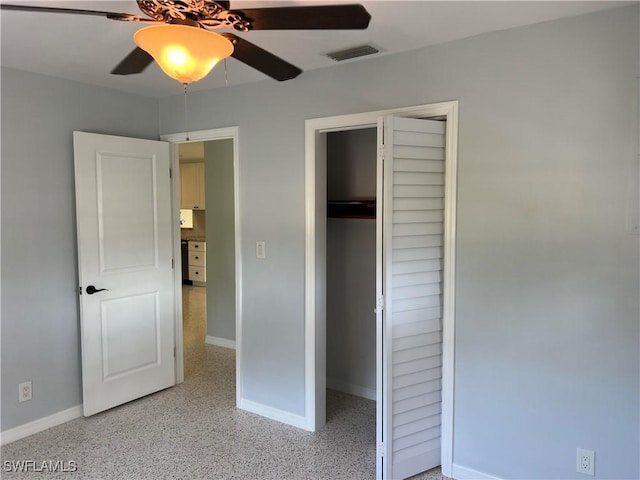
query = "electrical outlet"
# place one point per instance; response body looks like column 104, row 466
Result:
column 585, row 461
column 24, row 392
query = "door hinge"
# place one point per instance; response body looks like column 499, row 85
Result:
column 170, row 173
column 173, row 264
column 379, row 305
column 79, row 290
column 381, row 152
column 174, row 352
column 381, row 449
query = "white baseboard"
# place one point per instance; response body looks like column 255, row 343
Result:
column 463, row 473
column 273, row 413
column 351, row 388
column 220, row 342
column 40, row 425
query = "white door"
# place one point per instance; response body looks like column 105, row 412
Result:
column 123, row 210
column 410, row 330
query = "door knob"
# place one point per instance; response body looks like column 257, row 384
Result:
column 91, row 289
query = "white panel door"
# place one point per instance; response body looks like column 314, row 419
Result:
column 410, row 335
column 123, row 209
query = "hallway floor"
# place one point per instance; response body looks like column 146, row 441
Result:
column 193, row 431
column 194, row 328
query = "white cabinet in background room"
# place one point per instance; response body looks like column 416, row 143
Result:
column 186, row 218
column 192, row 194
column 197, row 261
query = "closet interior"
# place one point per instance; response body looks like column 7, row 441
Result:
column 351, row 261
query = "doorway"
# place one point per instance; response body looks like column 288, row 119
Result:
column 218, row 268
column 193, row 241
column 316, row 274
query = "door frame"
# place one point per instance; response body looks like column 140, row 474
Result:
column 175, row 139
column 315, row 258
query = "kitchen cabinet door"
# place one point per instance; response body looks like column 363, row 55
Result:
column 192, row 194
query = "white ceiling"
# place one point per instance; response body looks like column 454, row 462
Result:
column 86, row 48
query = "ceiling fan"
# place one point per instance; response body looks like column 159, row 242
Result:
column 209, row 14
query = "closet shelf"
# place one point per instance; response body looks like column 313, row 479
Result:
column 351, row 208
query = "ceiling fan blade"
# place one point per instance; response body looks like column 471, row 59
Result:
column 261, row 60
column 325, row 17
column 127, row 17
column 135, row 62
column 30, row 8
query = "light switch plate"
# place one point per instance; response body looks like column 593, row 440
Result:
column 261, row 250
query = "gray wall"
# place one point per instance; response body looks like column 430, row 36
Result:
column 221, row 274
column 40, row 325
column 351, row 299
column 547, row 276
column 351, row 263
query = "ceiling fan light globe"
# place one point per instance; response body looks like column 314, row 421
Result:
column 176, row 56
column 186, row 54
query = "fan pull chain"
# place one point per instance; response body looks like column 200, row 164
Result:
column 186, row 116
column 226, row 79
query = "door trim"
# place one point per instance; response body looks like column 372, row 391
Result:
column 203, row 136
column 315, row 254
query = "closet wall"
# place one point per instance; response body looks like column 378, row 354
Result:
column 351, row 265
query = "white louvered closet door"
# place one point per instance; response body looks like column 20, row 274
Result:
column 412, row 260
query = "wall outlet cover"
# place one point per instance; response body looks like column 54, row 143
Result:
column 25, row 392
column 585, row 461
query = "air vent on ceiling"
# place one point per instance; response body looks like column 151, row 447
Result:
column 353, row 52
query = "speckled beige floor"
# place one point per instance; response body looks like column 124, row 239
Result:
column 193, row 431
column 194, row 328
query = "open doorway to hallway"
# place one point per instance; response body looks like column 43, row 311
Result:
column 207, row 237
column 193, row 254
